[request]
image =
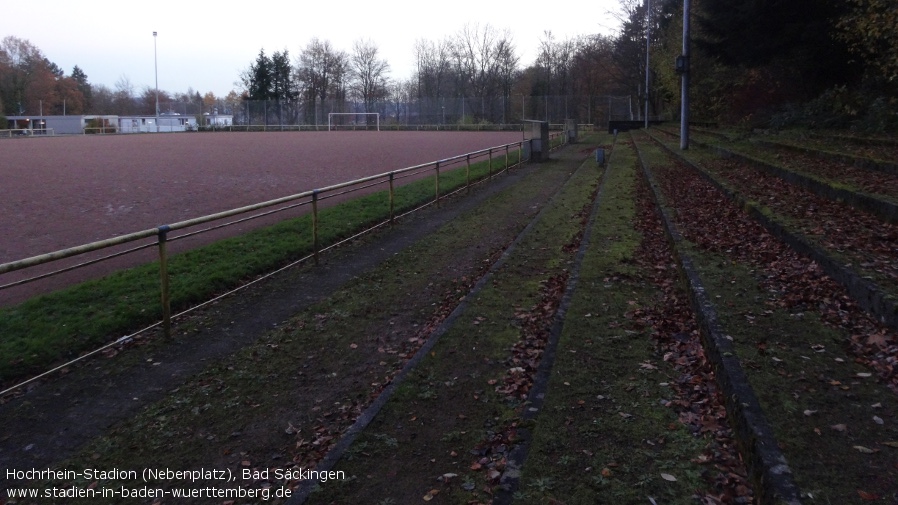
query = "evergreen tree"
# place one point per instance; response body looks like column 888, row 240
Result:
column 798, row 34
column 80, row 77
column 259, row 84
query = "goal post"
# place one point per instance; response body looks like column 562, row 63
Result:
column 333, row 125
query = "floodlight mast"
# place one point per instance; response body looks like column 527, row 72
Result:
column 156, row 68
column 684, row 87
column 648, row 42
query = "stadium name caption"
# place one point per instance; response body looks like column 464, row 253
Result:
column 117, row 474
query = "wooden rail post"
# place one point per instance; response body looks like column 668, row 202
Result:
column 164, row 281
column 315, row 244
column 392, row 200
column 507, row 166
column 468, row 174
column 490, row 169
column 437, row 183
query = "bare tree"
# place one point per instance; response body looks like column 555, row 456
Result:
column 123, row 98
column 399, row 94
column 368, row 73
column 321, row 70
column 555, row 59
column 433, row 67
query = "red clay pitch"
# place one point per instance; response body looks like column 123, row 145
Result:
column 62, row 192
column 67, row 191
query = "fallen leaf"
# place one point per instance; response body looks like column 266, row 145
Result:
column 353, row 346
column 877, row 420
column 810, row 412
column 606, row 472
column 864, row 374
column 891, row 444
column 668, row 477
column 839, row 427
column 879, row 340
column 867, row 496
column 861, row 448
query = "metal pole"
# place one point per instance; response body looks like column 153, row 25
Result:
column 165, row 287
column 648, row 40
column 156, row 68
column 684, row 79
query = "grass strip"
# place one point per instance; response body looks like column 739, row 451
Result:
column 429, row 438
column 871, row 286
column 604, row 434
column 61, row 325
column 827, row 411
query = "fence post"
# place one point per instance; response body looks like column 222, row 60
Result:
column 490, row 169
column 392, row 199
column 507, row 167
column 468, row 174
column 164, row 284
column 437, row 183
column 315, row 245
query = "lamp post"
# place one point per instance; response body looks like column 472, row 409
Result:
column 156, row 68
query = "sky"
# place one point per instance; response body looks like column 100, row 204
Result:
column 205, row 45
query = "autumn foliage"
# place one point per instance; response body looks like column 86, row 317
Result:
column 32, row 84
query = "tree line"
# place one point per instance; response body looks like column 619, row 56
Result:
column 475, row 75
column 32, row 84
column 817, row 63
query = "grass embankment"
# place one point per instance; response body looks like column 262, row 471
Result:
column 809, row 218
column 832, row 420
column 604, row 435
column 61, row 325
column 285, row 400
column 444, row 433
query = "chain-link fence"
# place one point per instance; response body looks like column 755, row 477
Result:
column 414, row 111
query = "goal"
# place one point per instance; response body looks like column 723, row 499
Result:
column 335, row 122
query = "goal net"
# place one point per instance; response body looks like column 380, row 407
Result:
column 353, row 120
